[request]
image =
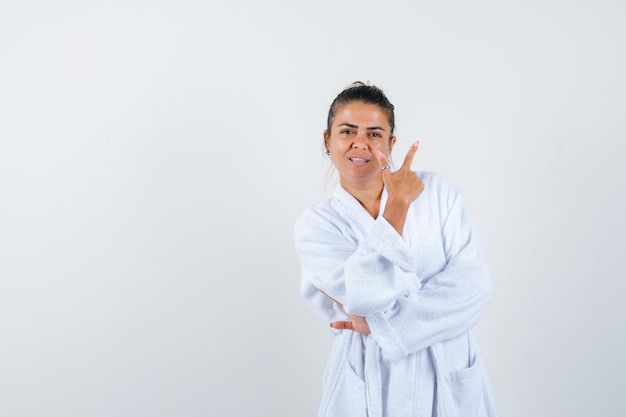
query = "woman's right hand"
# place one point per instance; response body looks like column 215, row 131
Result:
column 403, row 187
column 358, row 323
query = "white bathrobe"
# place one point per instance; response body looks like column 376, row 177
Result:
column 421, row 293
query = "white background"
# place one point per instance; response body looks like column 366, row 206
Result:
column 154, row 156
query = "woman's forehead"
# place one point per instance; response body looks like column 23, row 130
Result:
column 362, row 115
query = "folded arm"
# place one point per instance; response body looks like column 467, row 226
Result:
column 377, row 278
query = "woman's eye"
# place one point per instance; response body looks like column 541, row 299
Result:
column 347, row 131
column 375, row 135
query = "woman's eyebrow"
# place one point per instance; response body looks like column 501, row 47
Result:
column 356, row 127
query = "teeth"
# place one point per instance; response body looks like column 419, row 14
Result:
column 358, row 160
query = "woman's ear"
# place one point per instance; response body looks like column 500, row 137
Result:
column 392, row 142
column 326, row 139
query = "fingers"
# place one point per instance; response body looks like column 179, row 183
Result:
column 342, row 325
column 408, row 160
column 360, row 325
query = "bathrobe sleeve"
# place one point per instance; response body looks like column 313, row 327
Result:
column 450, row 302
column 366, row 277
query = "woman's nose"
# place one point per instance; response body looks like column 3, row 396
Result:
column 360, row 141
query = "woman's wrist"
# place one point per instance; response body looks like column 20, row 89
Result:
column 395, row 212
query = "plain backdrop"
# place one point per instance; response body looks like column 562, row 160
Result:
column 154, row 156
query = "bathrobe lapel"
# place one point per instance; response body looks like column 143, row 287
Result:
column 361, row 222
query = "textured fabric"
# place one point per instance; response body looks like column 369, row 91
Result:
column 421, row 293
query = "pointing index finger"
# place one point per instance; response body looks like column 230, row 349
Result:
column 408, row 159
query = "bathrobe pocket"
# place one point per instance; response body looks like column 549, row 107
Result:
column 464, row 394
column 346, row 397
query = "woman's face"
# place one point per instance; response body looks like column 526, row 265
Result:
column 356, row 132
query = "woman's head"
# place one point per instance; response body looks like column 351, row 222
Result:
column 365, row 93
column 360, row 125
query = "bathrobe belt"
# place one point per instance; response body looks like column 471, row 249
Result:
column 373, row 378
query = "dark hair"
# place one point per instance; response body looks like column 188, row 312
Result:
column 364, row 93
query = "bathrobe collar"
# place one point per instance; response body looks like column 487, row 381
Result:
column 353, row 208
column 360, row 220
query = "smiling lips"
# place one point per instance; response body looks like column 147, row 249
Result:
column 357, row 160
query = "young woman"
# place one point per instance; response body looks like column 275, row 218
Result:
column 392, row 261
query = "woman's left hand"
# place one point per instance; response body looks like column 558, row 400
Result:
column 358, row 323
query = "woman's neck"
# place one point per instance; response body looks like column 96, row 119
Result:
column 367, row 194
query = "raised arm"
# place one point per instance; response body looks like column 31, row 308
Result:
column 403, row 187
column 450, row 302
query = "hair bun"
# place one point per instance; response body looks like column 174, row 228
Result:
column 363, row 84
column 358, row 84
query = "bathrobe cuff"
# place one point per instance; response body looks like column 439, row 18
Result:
column 384, row 239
